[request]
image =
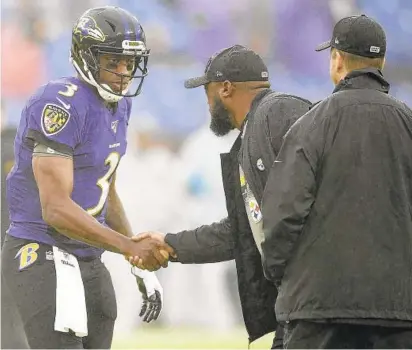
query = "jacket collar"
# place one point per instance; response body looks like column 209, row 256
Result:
column 367, row 78
column 253, row 106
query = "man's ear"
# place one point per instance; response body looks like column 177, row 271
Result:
column 340, row 61
column 226, row 89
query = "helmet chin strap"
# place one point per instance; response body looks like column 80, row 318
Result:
column 105, row 95
column 108, row 96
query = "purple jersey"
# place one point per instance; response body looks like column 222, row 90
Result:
column 66, row 114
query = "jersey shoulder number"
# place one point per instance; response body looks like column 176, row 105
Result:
column 56, row 115
column 57, row 111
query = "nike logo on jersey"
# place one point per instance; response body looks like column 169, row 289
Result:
column 65, row 105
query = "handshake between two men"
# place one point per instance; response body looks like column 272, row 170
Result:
column 152, row 252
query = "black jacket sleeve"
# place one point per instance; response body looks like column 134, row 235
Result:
column 205, row 244
column 289, row 194
column 276, row 120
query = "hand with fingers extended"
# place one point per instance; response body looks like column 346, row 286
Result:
column 152, row 294
column 155, row 252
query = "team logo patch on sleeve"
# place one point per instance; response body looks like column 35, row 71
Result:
column 54, row 119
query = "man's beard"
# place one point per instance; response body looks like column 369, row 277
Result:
column 220, row 123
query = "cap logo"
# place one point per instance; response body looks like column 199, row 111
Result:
column 336, row 41
column 265, row 74
column 219, row 74
column 375, row 49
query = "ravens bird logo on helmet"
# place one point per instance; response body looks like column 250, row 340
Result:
column 87, row 28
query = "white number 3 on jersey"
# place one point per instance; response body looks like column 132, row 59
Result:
column 104, row 182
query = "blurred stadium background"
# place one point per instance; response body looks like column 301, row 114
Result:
column 170, row 179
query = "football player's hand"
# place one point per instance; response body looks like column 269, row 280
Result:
column 149, row 253
column 163, row 249
column 152, row 294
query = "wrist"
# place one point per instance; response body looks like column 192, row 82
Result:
column 124, row 245
column 171, row 240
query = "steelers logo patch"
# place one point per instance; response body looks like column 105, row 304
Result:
column 255, row 212
column 54, row 119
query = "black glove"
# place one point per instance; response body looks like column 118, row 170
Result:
column 151, row 307
column 152, row 294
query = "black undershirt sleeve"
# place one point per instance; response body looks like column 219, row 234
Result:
column 47, row 147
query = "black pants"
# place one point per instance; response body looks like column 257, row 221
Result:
column 312, row 335
column 32, row 282
column 278, row 339
column 13, row 335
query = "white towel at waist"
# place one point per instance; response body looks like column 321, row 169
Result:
column 71, row 312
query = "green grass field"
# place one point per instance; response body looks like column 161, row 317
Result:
column 187, row 338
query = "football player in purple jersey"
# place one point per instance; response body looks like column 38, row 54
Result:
column 64, row 209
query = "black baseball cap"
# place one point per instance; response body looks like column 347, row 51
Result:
column 236, row 64
column 358, row 35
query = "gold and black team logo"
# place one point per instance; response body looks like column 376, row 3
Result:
column 54, row 119
column 27, row 255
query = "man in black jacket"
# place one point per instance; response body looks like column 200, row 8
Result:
column 239, row 96
column 337, row 207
